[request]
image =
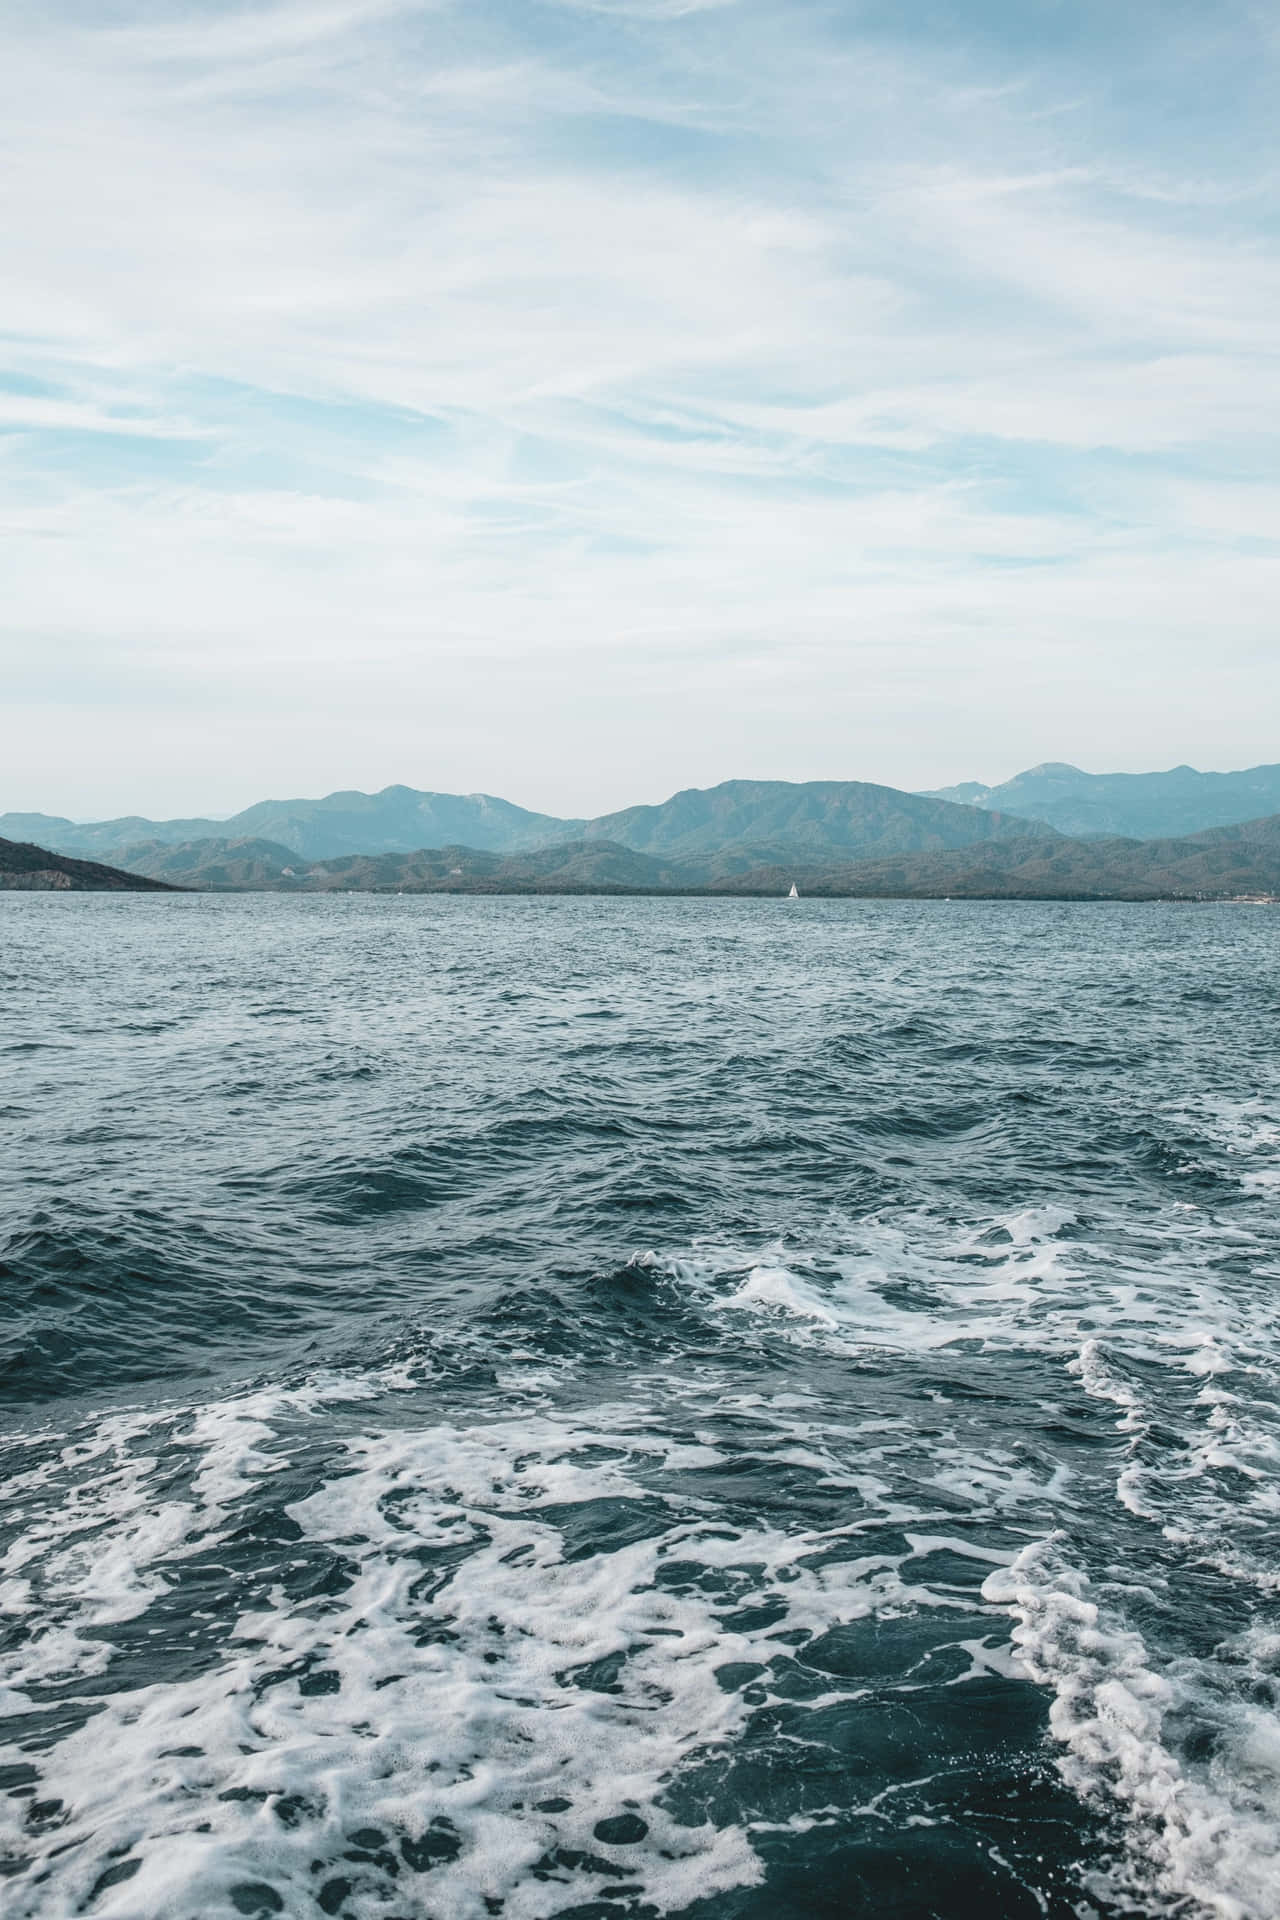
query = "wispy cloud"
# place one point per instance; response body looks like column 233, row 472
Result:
column 541, row 385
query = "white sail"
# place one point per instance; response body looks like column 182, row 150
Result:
column 794, row 893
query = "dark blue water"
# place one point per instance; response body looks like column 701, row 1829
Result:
column 732, row 1409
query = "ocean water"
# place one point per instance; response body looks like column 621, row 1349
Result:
column 613, row 1408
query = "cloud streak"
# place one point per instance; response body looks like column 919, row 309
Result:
column 550, row 381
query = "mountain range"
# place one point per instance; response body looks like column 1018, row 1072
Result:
column 397, row 820
column 751, row 820
column 1225, row 862
column 1142, row 805
column 828, row 819
column 833, row 837
column 1222, row 863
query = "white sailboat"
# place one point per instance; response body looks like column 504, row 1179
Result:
column 794, row 893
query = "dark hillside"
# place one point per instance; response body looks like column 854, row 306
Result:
column 35, row 870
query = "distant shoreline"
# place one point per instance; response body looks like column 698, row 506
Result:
column 663, row 893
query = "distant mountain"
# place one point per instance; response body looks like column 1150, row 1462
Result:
column 259, row 864
column 1223, row 862
column 34, row 869
column 756, row 819
column 578, row 866
column 1143, row 805
column 397, row 820
column 218, row 862
column 969, row 793
column 107, row 839
column 749, row 823
column 817, row 819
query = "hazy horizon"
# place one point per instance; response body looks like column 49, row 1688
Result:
column 597, row 397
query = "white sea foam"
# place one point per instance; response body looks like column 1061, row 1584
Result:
column 478, row 1668
column 479, row 1697
column 1212, row 1838
column 1247, row 1132
column 778, row 1287
column 1220, row 1437
column 1183, row 1356
column 1099, row 1378
column 916, row 1285
column 868, row 1284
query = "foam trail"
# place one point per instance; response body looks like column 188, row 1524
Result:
column 1183, row 1837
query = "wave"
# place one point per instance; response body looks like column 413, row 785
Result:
column 1203, row 1829
column 505, row 1661
column 639, row 1410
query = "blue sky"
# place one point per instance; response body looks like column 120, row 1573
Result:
column 585, row 399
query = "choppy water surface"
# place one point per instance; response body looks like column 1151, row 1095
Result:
column 633, row 1408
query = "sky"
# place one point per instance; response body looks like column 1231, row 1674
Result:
column 577, row 400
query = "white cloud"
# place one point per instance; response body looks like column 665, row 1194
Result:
column 652, row 360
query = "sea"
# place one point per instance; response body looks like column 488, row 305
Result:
column 610, row 1408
